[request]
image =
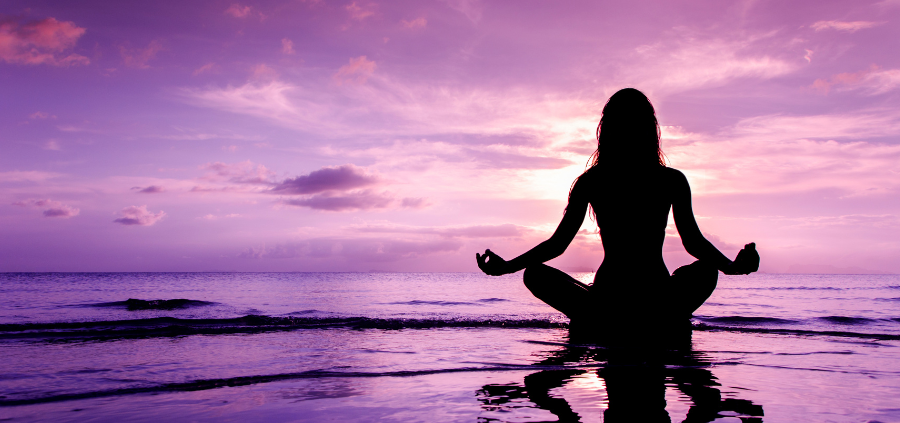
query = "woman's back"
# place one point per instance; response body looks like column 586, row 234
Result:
column 631, row 207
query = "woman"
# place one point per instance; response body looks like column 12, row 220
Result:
column 630, row 190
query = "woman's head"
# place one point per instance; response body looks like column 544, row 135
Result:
column 628, row 132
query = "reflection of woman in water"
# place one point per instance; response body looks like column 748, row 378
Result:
column 630, row 190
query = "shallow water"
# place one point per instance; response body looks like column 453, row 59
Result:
column 433, row 347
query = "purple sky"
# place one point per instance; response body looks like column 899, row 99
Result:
column 407, row 135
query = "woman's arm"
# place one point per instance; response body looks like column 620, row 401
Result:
column 494, row 265
column 693, row 240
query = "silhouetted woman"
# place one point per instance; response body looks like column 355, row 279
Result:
column 630, row 190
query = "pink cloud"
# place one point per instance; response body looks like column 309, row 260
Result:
column 507, row 230
column 138, row 215
column 356, row 72
column 354, row 200
column 238, row 11
column 41, row 115
column 415, row 23
column 138, row 57
column 875, row 80
column 339, row 178
column 414, row 203
column 40, row 42
column 287, row 46
column 843, row 26
column 51, row 208
column 353, row 250
column 357, row 12
column 203, row 69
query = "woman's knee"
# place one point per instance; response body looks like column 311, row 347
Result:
column 535, row 276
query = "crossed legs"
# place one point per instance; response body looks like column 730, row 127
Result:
column 685, row 291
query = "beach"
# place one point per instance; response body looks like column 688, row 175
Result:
column 377, row 347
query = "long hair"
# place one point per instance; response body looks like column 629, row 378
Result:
column 627, row 136
column 628, row 133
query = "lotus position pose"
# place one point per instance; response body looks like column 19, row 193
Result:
column 630, row 191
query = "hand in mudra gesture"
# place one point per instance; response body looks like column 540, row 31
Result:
column 491, row 263
column 746, row 262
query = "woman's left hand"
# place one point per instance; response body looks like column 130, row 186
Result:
column 491, row 263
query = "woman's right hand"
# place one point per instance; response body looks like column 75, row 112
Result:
column 491, row 263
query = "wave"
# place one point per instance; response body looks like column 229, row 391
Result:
column 437, row 303
column 172, row 326
column 800, row 332
column 204, row 384
column 745, row 320
column 450, row 303
column 136, row 304
column 250, row 324
column 844, row 320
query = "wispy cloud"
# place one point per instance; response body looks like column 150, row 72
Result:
column 43, row 42
column 138, row 215
column 287, row 46
column 240, row 173
column 238, row 11
column 417, row 23
column 873, row 81
column 139, row 57
column 204, row 69
column 353, row 250
column 473, row 231
column 689, row 60
column 28, row 175
column 359, row 12
column 50, row 208
column 344, row 201
column 843, row 26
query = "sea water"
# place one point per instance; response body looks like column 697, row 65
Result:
column 433, row 347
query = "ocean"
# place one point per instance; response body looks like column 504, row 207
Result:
column 434, row 347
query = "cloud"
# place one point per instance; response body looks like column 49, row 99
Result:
column 414, row 203
column 51, row 145
column 500, row 160
column 40, row 42
column 356, row 72
column 471, row 8
column 843, row 26
column 138, row 215
column 227, row 216
column 238, row 11
column 28, row 175
column 241, row 173
column 354, row 200
column 203, row 69
column 359, row 13
column 791, row 154
column 415, row 23
column 138, row 57
column 287, row 46
column 688, row 60
column 41, row 115
column 51, row 208
column 353, row 250
column 336, row 178
column 152, row 189
column 873, row 80
column 473, row 231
